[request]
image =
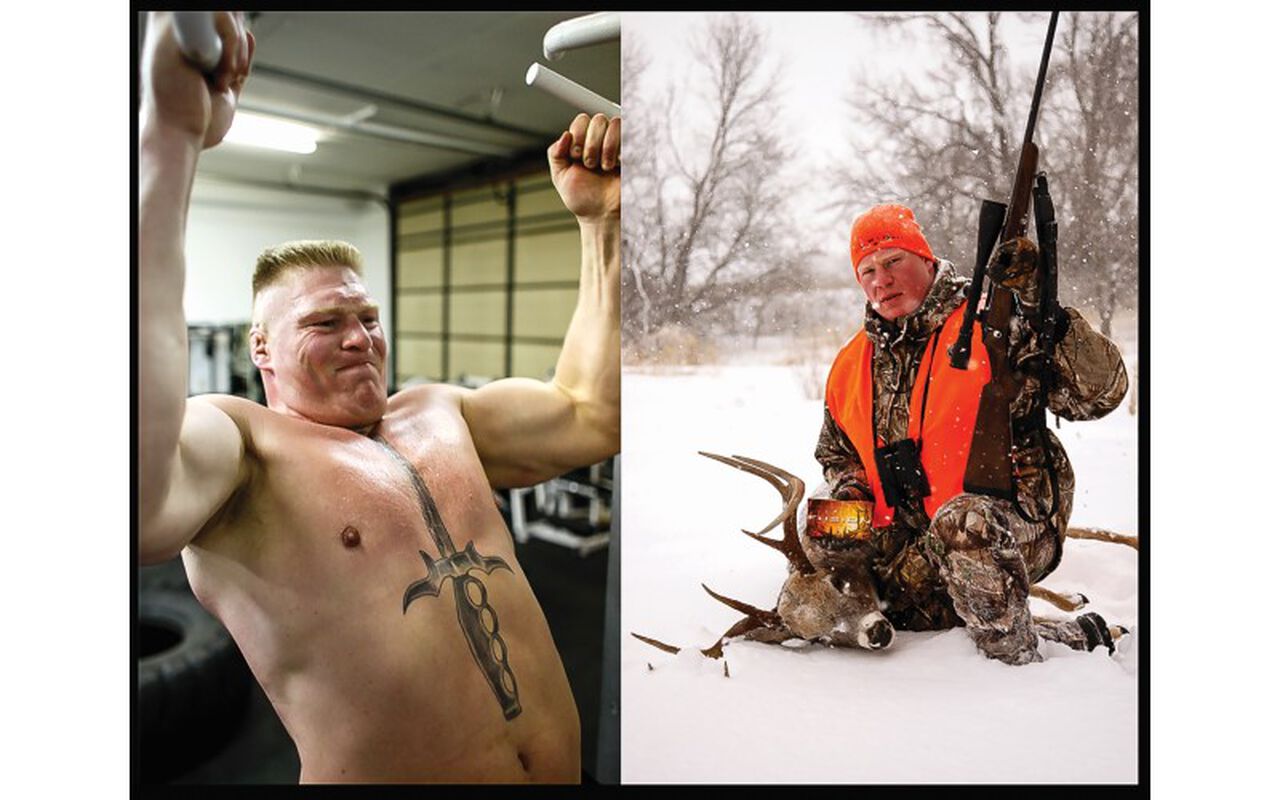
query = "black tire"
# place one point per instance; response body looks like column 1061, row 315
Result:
column 169, row 574
column 192, row 684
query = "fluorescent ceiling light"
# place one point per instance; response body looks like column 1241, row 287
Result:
column 256, row 130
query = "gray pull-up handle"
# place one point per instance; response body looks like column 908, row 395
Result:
column 604, row 26
column 583, row 31
column 579, row 97
column 197, row 38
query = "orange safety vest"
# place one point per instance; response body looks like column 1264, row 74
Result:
column 947, row 430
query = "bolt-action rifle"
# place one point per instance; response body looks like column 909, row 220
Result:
column 990, row 468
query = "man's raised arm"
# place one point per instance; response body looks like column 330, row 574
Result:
column 525, row 430
column 190, row 454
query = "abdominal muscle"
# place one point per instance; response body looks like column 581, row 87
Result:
column 370, row 690
column 407, row 701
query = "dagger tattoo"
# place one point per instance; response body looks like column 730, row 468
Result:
column 478, row 619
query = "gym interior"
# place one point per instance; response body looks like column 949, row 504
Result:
column 422, row 145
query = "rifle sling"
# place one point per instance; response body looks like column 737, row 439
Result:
column 924, row 399
column 1034, row 420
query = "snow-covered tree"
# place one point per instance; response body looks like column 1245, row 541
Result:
column 943, row 137
column 707, row 228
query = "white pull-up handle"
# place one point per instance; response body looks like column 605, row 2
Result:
column 197, row 38
column 604, row 26
column 577, row 96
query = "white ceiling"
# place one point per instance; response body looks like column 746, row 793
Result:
column 469, row 64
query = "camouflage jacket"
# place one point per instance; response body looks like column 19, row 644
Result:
column 1089, row 380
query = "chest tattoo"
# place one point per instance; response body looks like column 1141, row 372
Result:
column 478, row 619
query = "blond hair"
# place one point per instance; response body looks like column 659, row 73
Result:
column 283, row 258
column 276, row 262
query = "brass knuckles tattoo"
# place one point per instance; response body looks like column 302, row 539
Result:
column 478, row 619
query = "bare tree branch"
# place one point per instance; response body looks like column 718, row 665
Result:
column 935, row 136
column 712, row 224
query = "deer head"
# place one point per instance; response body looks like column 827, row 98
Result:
column 832, row 603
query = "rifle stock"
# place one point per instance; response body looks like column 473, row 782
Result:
column 1015, row 222
column 990, row 467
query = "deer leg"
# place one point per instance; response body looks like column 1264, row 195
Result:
column 1103, row 536
column 1067, row 602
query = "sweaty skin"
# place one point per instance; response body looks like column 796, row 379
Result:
column 304, row 526
column 369, row 691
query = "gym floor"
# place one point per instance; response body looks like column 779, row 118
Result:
column 571, row 589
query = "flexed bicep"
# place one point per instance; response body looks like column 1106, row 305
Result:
column 527, row 431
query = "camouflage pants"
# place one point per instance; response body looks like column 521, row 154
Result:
column 987, row 557
column 972, row 566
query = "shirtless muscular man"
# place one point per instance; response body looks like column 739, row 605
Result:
column 349, row 541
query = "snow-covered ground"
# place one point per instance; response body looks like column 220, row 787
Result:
column 929, row 709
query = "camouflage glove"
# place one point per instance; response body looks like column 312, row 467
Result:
column 1014, row 266
column 853, row 491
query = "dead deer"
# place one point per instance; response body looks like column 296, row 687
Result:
column 840, row 606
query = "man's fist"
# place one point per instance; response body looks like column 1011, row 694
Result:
column 177, row 96
column 585, row 167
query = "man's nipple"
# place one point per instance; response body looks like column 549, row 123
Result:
column 350, row 536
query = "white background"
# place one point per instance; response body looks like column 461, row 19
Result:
column 64, row 585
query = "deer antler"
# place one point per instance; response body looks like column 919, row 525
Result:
column 766, row 618
column 792, row 490
column 755, row 618
column 767, row 625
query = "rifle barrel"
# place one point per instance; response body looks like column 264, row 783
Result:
column 1044, row 68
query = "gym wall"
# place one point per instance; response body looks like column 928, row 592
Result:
column 486, row 280
column 231, row 224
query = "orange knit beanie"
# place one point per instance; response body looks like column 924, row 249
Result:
column 883, row 226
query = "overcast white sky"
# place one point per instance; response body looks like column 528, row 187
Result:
column 821, row 53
